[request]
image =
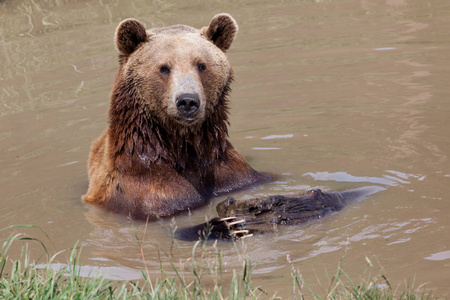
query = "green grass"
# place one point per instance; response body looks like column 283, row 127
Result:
column 19, row 279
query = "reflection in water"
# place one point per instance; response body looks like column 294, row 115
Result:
column 327, row 93
column 111, row 273
column 396, row 2
column 439, row 256
column 386, row 180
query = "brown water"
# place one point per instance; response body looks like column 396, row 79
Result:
column 330, row 94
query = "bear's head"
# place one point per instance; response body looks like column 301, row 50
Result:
column 178, row 72
column 172, row 84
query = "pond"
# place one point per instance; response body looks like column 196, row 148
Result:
column 327, row 94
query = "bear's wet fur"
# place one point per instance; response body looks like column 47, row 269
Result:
column 166, row 149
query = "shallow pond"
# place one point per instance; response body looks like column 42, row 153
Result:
column 329, row 94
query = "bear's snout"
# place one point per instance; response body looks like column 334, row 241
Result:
column 188, row 104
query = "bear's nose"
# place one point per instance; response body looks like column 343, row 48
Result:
column 188, row 104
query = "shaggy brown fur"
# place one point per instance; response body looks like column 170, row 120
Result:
column 153, row 159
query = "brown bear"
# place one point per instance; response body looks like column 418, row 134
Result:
column 166, row 149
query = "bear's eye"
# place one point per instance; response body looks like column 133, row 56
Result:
column 201, row 67
column 164, row 69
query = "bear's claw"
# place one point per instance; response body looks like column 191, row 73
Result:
column 235, row 227
column 227, row 228
column 235, row 222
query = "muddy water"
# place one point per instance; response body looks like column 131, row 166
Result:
column 329, row 94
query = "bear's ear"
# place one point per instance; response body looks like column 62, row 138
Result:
column 129, row 34
column 221, row 31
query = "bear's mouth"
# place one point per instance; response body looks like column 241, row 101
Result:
column 186, row 120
